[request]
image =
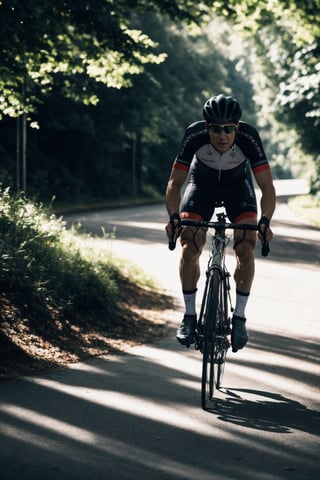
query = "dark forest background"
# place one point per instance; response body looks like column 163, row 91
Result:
column 95, row 95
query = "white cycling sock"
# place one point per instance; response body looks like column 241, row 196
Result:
column 241, row 303
column 189, row 297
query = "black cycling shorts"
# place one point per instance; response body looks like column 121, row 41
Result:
column 204, row 191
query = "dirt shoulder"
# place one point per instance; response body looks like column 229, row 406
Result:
column 29, row 345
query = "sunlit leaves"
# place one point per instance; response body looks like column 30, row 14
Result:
column 40, row 41
column 303, row 85
column 112, row 70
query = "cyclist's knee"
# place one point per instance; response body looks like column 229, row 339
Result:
column 245, row 249
column 192, row 241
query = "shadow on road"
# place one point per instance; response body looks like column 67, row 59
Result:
column 269, row 412
column 135, row 416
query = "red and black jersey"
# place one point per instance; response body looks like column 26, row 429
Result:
column 246, row 148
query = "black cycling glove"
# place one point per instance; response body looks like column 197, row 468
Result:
column 264, row 221
column 173, row 217
column 176, row 229
column 265, row 245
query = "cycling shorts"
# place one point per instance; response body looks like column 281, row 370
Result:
column 207, row 187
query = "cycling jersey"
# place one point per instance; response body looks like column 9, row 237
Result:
column 217, row 177
column 196, row 142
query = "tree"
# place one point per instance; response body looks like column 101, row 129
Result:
column 88, row 150
column 81, row 42
column 287, row 37
column 75, row 41
column 65, row 65
column 76, row 45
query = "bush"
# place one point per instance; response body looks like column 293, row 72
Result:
column 43, row 267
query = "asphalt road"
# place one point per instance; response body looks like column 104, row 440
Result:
column 137, row 415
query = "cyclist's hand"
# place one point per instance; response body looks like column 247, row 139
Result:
column 265, row 234
column 173, row 229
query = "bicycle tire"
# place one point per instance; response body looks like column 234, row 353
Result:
column 222, row 326
column 209, row 343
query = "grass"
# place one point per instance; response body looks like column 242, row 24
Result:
column 307, row 208
column 42, row 262
column 63, row 295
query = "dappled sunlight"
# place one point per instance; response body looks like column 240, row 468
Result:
column 163, row 410
column 114, row 448
column 276, row 360
column 142, row 408
column 187, row 384
column 138, row 414
column 30, row 417
column 102, row 443
column 270, row 381
column 169, row 358
column 88, row 368
column 143, row 225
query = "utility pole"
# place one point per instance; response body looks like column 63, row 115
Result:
column 134, row 165
column 21, row 147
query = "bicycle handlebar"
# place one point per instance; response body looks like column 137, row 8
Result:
column 265, row 249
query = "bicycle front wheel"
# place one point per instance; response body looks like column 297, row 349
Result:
column 222, row 332
column 209, row 340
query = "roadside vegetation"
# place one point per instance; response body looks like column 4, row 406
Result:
column 307, row 207
column 93, row 102
column 64, row 295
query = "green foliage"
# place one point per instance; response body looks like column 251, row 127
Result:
column 307, row 207
column 85, row 151
column 286, row 35
column 81, row 42
column 76, row 41
column 43, row 267
column 98, row 140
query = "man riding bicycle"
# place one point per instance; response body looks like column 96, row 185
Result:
column 217, row 157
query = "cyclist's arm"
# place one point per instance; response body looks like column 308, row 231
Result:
column 268, row 197
column 173, row 197
column 173, row 193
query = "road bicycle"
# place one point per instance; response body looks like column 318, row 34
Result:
column 214, row 324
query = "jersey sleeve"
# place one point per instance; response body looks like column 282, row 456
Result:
column 194, row 137
column 248, row 139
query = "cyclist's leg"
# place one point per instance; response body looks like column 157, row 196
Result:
column 243, row 275
column 244, row 246
column 194, row 205
column 192, row 241
column 242, row 208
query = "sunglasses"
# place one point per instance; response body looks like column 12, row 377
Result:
column 216, row 128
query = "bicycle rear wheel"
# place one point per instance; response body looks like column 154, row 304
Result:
column 209, row 340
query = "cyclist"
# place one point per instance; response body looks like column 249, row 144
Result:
column 215, row 160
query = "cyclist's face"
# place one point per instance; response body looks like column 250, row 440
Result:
column 222, row 141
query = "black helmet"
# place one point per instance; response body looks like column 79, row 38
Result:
column 222, row 109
